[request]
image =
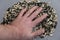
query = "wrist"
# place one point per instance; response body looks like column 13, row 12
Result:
column 14, row 32
column 8, row 32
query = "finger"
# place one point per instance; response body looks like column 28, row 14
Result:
column 30, row 11
column 19, row 16
column 22, row 12
column 38, row 32
column 35, row 13
column 39, row 19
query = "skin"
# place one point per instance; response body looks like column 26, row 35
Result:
column 21, row 27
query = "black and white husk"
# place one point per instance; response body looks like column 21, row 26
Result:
column 49, row 24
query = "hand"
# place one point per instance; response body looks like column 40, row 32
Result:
column 23, row 25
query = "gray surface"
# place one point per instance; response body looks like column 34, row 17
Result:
column 4, row 4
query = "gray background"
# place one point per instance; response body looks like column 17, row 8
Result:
column 4, row 4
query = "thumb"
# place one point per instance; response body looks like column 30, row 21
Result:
column 38, row 32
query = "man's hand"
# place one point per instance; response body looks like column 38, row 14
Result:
column 22, row 26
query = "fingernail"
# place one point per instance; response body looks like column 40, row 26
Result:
column 36, row 6
column 43, row 30
column 45, row 15
column 40, row 8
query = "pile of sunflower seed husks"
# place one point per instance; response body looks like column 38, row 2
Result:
column 49, row 24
